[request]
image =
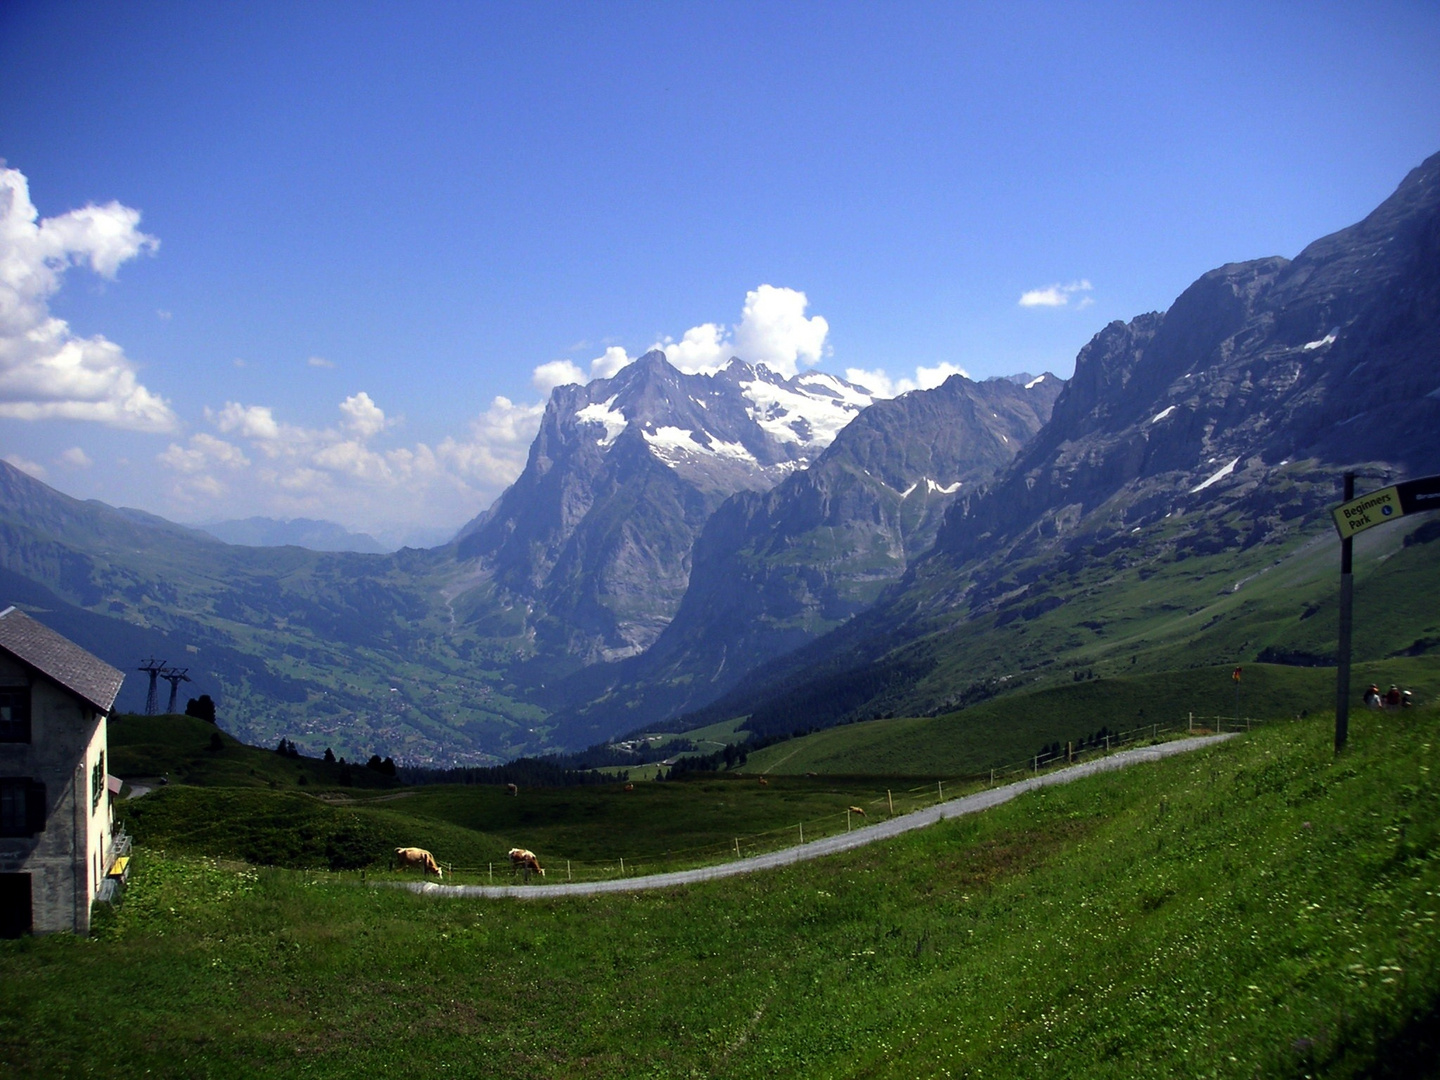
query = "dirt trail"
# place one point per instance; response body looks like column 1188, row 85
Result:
column 918, row 819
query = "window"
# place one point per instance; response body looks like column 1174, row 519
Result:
column 22, row 807
column 97, row 782
column 14, row 714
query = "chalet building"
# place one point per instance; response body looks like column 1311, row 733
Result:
column 56, row 842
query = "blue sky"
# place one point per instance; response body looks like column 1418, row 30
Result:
column 361, row 225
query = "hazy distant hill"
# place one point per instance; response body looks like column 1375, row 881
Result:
column 300, row 532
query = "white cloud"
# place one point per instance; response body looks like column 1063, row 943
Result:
column 494, row 454
column 1058, row 295
column 76, row 458
column 608, row 364
column 362, row 415
column 204, row 453
column 46, row 370
column 556, row 373
column 702, row 350
column 320, row 362
column 269, row 466
column 926, row 378
column 252, row 422
column 774, row 330
column 25, row 465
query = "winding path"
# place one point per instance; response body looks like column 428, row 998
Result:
column 917, row 819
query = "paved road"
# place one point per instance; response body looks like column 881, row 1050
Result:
column 918, row 819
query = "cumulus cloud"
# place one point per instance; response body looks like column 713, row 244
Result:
column 608, row 364
column 363, row 416
column 203, row 454
column 46, row 370
column 320, row 362
column 773, row 330
column 883, row 385
column 76, row 458
column 1058, row 295
column 499, row 441
column 257, row 460
column 556, row 373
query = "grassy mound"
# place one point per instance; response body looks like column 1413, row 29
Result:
column 1256, row 909
column 184, row 749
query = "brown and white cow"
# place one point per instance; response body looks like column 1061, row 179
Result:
column 512, row 789
column 857, row 810
column 523, row 859
column 406, row 857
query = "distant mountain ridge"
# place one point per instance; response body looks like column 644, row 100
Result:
column 773, row 570
column 299, row 532
column 593, row 539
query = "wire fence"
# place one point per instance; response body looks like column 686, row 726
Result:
column 880, row 807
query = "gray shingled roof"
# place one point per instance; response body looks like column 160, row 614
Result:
column 59, row 658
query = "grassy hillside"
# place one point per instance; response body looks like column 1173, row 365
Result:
column 654, row 827
column 1257, row 909
column 145, row 748
column 1010, row 728
column 1144, row 605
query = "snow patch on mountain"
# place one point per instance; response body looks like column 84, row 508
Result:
column 672, row 444
column 812, row 419
column 605, row 415
column 1162, row 414
column 1220, row 475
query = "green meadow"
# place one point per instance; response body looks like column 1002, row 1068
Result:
column 1258, row 908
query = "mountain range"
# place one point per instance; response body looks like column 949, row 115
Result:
column 686, row 548
column 297, row 532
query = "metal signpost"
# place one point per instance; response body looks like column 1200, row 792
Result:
column 1355, row 516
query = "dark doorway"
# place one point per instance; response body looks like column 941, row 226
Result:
column 15, row 915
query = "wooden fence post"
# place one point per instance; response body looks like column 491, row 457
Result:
column 889, row 799
column 568, row 876
column 737, row 847
column 622, row 865
column 492, row 873
column 802, row 832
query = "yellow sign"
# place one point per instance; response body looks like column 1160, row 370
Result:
column 1376, row 508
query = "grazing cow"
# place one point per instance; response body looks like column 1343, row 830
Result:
column 406, row 857
column 764, row 782
column 857, row 810
column 520, row 858
column 629, row 787
column 512, row 789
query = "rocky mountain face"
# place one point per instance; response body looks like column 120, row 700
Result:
column 1332, row 358
column 773, row 570
column 593, row 541
column 1215, row 429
